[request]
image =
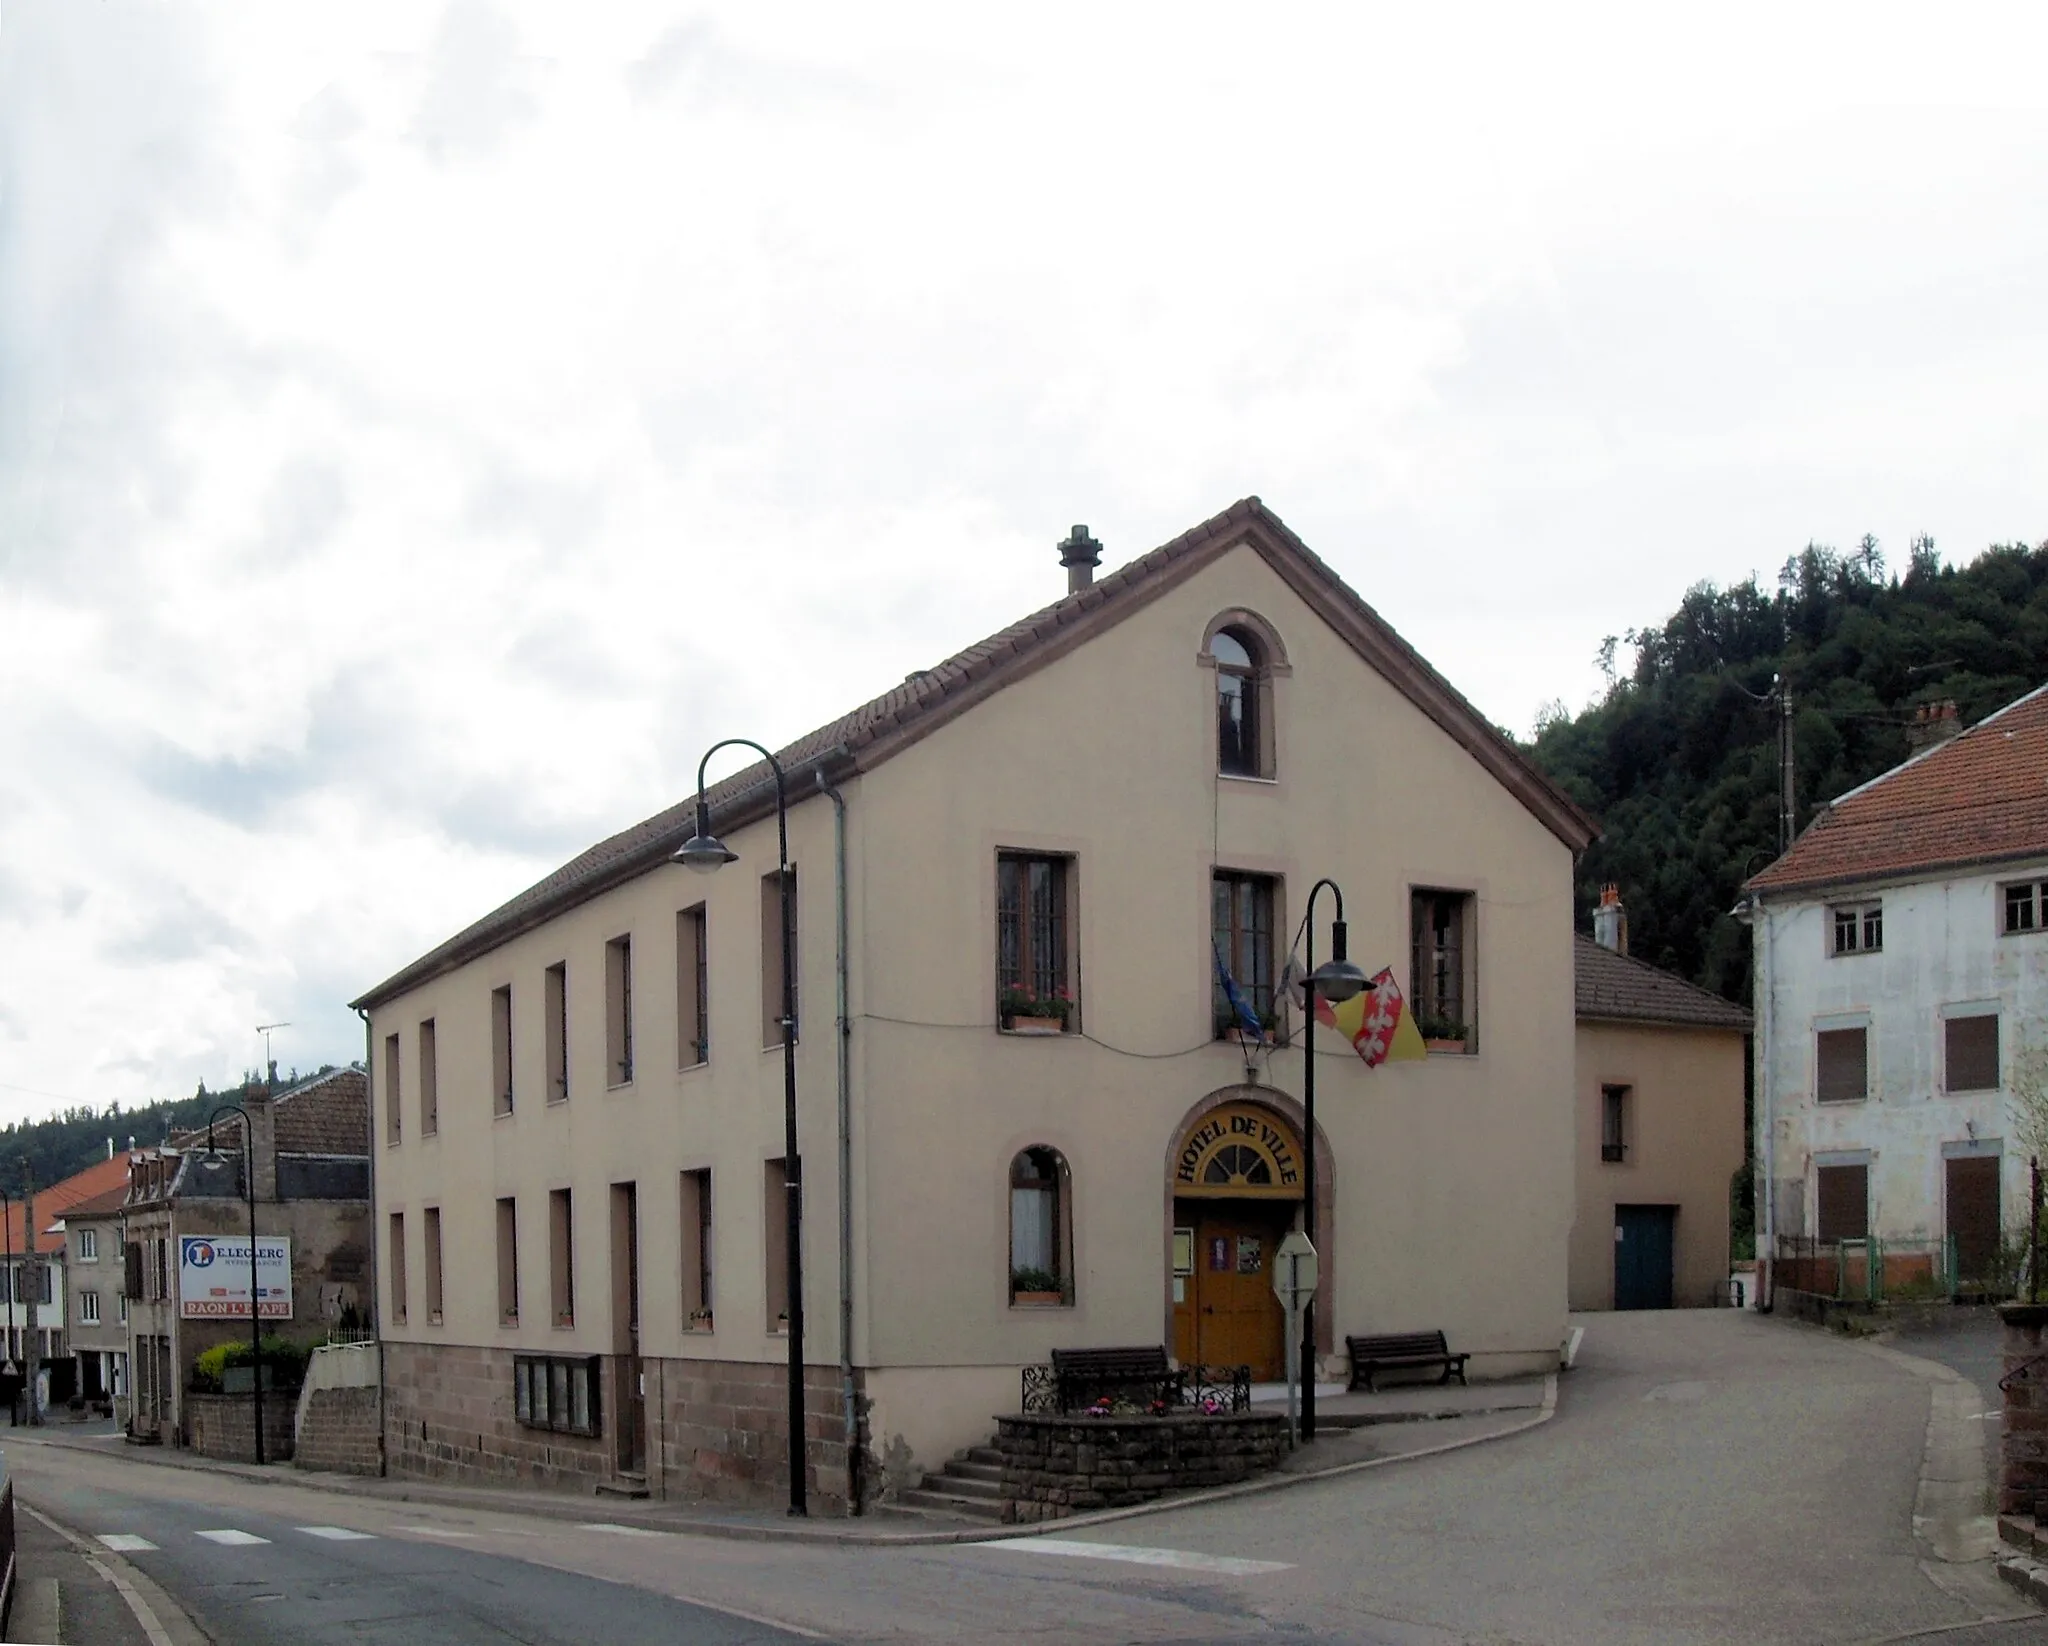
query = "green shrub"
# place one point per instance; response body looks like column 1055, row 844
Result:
column 1034, row 1280
column 286, row 1360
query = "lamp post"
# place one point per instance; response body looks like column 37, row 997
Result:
column 706, row 853
column 214, row 1163
column 1337, row 979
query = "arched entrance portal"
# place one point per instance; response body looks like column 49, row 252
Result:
column 1238, row 1177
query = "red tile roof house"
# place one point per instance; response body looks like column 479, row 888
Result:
column 1901, row 976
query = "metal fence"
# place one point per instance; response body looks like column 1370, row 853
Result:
column 1875, row 1270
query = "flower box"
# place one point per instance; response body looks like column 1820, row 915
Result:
column 1443, row 1044
column 1036, row 1025
column 1037, row 1297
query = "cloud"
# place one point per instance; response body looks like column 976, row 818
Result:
column 478, row 90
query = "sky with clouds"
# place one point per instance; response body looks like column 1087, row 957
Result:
column 424, row 428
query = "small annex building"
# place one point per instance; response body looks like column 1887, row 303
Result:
column 1026, row 1120
column 1660, row 1107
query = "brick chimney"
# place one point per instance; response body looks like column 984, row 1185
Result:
column 262, row 1139
column 1933, row 723
column 1080, row 554
column 1610, row 920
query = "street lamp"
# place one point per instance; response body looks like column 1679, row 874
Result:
column 706, row 853
column 1337, row 979
column 214, row 1163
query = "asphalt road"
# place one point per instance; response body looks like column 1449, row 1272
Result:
column 1710, row 1477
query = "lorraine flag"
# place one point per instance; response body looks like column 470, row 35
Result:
column 1377, row 1022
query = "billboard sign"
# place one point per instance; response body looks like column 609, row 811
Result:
column 213, row 1277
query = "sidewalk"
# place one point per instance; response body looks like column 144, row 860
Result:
column 60, row 1596
column 1355, row 1432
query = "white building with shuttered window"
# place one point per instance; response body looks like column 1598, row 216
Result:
column 1901, row 955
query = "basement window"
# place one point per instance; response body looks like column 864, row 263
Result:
column 558, row 1392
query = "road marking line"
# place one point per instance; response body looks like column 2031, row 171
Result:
column 232, row 1538
column 433, row 1531
column 127, row 1543
column 1179, row 1559
column 340, row 1534
column 621, row 1531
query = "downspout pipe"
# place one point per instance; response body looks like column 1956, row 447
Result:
column 847, row 1398
column 370, row 1149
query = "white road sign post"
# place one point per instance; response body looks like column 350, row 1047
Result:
column 1295, row 1272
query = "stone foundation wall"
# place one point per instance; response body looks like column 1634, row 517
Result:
column 716, row 1429
column 723, row 1432
column 340, row 1432
column 1058, row 1466
column 224, row 1426
column 2023, row 1475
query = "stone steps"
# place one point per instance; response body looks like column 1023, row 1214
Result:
column 970, row 1487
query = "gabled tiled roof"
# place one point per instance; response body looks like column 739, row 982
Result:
column 1980, row 797
column 1611, row 987
column 100, row 1178
column 861, row 740
column 325, row 1114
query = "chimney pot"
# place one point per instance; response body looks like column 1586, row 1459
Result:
column 1610, row 920
column 1080, row 554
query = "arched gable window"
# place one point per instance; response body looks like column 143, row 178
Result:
column 1237, row 702
column 1041, row 1227
column 1245, row 653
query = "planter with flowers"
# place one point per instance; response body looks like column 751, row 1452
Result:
column 1035, row 1286
column 1023, row 1011
column 1443, row 1034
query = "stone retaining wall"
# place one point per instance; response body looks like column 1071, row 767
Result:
column 1058, row 1466
column 2023, row 1476
column 339, row 1431
column 224, row 1426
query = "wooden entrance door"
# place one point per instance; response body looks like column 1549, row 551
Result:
column 1973, row 1217
column 1238, row 1320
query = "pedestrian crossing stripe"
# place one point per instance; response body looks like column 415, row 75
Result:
column 1183, row 1560
column 338, row 1534
column 232, row 1538
column 621, row 1531
column 127, row 1543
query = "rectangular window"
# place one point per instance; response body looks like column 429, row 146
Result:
column 561, row 1258
column 618, row 1011
column 775, row 1221
column 1241, row 930
column 46, row 1292
column 392, row 1123
column 1443, row 970
column 1856, row 928
column 558, row 1392
column 394, row 1259
column 88, row 1245
column 2026, row 907
column 501, row 1050
column 430, row 1093
column 1842, row 1065
column 1614, row 1124
column 433, row 1265
column 1034, row 923
column 508, row 1262
column 696, row 1212
column 163, row 1270
column 88, row 1308
column 772, row 926
column 693, row 1018
column 1844, row 1196
column 131, row 1270
column 124, row 1309
column 555, row 999
column 1971, row 1060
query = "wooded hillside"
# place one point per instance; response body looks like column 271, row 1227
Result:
column 1679, row 760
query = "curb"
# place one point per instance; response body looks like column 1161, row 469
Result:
column 582, row 1511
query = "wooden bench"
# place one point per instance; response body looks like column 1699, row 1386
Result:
column 1082, row 1376
column 1401, row 1351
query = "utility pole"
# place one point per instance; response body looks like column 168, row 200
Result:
column 269, row 1062
column 1786, row 803
column 31, row 1271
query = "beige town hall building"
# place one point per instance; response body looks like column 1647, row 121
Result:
column 1023, row 1123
